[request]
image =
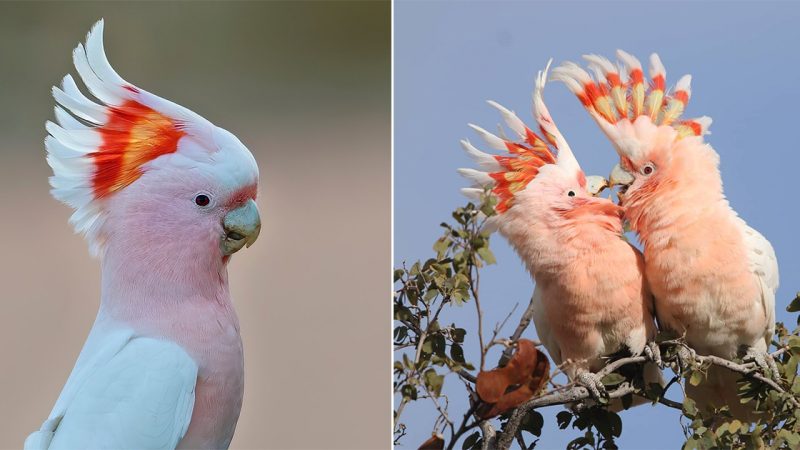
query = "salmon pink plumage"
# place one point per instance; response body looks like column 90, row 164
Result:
column 591, row 298
column 714, row 277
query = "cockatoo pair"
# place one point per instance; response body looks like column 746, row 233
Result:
column 164, row 198
column 704, row 274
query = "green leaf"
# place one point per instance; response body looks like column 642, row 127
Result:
column 689, row 408
column 401, row 312
column 563, row 418
column 794, row 345
column 433, row 381
column 398, row 274
column 430, row 295
column 532, row 423
column 488, row 210
column 409, row 392
column 413, row 296
column 792, row 439
column 690, row 444
column 627, row 401
column 438, row 345
column 612, row 379
column 794, row 305
column 457, row 353
column 442, row 245
column 400, row 333
column 486, row 255
column 696, row 378
column 472, row 441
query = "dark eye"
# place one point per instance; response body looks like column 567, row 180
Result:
column 648, row 169
column 571, row 193
column 202, row 200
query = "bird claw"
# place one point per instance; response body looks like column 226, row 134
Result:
column 686, row 357
column 763, row 361
column 593, row 384
column 653, row 353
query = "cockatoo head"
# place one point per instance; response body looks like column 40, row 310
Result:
column 540, row 179
column 143, row 173
column 643, row 123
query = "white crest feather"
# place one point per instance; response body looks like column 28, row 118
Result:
column 684, row 84
column 484, row 160
column 75, row 134
column 510, row 118
column 565, row 158
column 491, row 140
column 656, row 66
column 629, row 60
column 479, row 179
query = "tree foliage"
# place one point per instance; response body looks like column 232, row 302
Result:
column 429, row 352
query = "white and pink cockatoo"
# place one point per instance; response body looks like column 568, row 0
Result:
column 591, row 299
column 164, row 198
column 714, row 278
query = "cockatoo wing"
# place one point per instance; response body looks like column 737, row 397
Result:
column 132, row 393
column 764, row 265
column 543, row 330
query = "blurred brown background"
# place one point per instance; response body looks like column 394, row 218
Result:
column 306, row 86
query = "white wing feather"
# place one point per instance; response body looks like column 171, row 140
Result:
column 764, row 265
column 542, row 325
column 125, row 392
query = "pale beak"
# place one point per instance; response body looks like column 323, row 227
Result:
column 619, row 176
column 241, row 226
column 595, row 184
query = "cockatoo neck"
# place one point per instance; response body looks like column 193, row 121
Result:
column 550, row 241
column 142, row 285
column 687, row 190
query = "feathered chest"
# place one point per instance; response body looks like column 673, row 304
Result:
column 219, row 389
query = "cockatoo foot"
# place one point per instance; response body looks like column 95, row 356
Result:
column 687, row 357
column 764, row 361
column 593, row 384
column 653, row 353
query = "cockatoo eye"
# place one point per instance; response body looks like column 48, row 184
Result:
column 571, row 193
column 648, row 169
column 202, row 200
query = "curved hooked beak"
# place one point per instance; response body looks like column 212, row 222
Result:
column 241, row 226
column 620, row 177
column 595, row 184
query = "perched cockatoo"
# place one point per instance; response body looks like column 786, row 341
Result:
column 164, row 199
column 591, row 298
column 714, row 278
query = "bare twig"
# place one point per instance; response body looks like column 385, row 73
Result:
column 463, row 428
column 473, row 287
column 524, row 322
column 521, row 441
column 746, row 370
column 489, row 436
column 443, row 411
column 505, row 342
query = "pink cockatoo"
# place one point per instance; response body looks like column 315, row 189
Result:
column 164, row 199
column 591, row 299
column 714, row 278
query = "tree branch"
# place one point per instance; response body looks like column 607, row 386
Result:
column 524, row 322
column 575, row 392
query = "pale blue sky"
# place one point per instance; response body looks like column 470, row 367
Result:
column 452, row 56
